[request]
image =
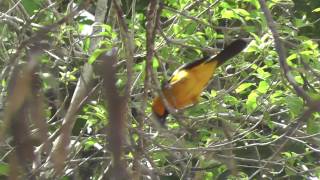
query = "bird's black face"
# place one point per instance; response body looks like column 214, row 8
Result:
column 162, row 118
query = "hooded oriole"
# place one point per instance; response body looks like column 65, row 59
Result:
column 188, row 81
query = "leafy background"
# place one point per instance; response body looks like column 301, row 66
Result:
column 250, row 121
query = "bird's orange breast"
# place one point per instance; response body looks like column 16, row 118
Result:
column 185, row 87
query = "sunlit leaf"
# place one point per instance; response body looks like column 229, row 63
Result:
column 228, row 14
column 316, row 10
column 251, row 103
column 263, row 87
column 242, row 12
column 243, row 87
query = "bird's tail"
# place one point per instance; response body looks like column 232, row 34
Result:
column 230, row 51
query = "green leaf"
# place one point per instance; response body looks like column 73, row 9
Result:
column 176, row 28
column 65, row 178
column 228, row 14
column 256, row 38
column 3, row 83
column 313, row 126
column 314, row 95
column 135, row 137
column 243, row 87
column 298, row 79
column 4, row 169
column 276, row 96
column 107, row 28
column 253, row 47
column 31, row 5
column 306, row 53
column 292, row 57
column 160, row 157
column 242, row 12
column 155, row 63
column 254, row 2
column 316, row 10
column 95, row 55
column 263, row 74
column 289, row 171
column 173, row 125
column 86, row 44
column 251, row 103
column 295, row 105
column 225, row 5
column 263, row 87
column 208, row 175
column 89, row 143
column 231, row 100
column 213, row 93
column 310, row 44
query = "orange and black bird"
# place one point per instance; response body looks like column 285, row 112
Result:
column 186, row 83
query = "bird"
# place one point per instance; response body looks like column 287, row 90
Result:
column 184, row 87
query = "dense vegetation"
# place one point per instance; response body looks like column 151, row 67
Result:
column 78, row 78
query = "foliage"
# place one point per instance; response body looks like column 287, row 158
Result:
column 250, row 122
